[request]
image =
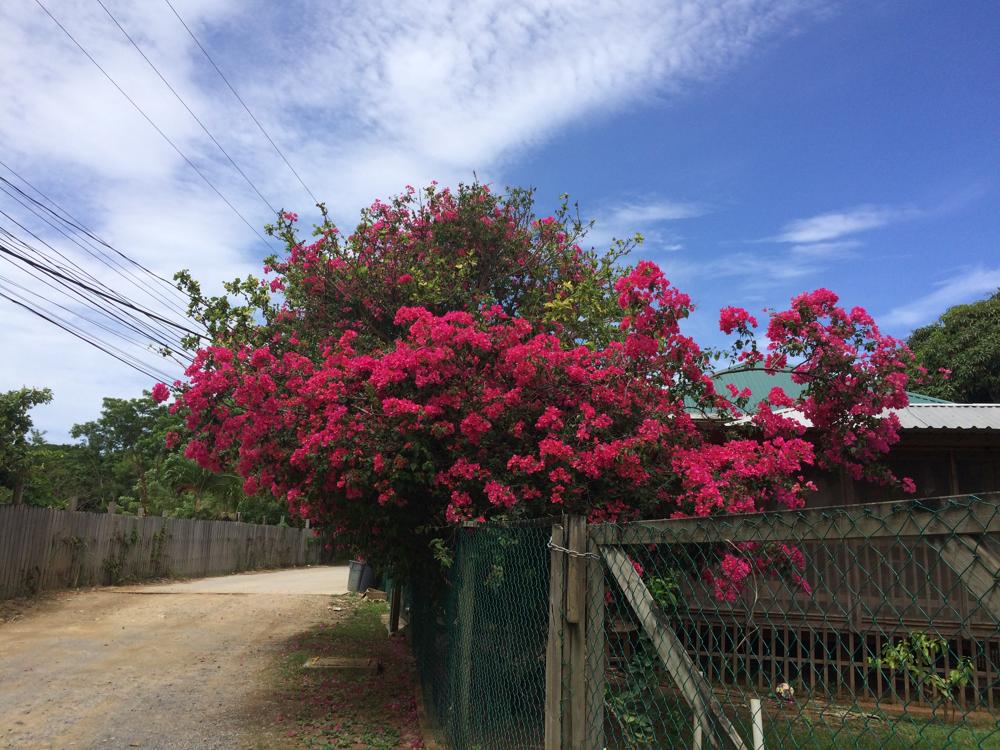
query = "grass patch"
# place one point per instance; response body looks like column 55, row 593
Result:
column 887, row 734
column 672, row 727
column 327, row 709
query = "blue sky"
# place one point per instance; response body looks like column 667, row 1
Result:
column 763, row 148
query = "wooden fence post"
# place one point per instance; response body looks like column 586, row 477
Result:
column 574, row 658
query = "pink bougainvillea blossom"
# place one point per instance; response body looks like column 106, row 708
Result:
column 379, row 398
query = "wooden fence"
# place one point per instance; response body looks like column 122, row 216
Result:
column 883, row 572
column 45, row 548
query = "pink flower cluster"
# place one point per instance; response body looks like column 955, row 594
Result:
column 374, row 404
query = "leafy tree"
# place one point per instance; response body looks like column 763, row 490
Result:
column 15, row 431
column 176, row 486
column 457, row 357
column 123, row 444
column 131, row 454
column 966, row 341
column 62, row 476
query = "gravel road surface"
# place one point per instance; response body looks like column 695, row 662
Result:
column 162, row 666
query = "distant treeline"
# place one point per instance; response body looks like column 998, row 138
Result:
column 121, row 461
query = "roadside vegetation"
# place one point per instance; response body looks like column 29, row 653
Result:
column 369, row 706
column 124, row 459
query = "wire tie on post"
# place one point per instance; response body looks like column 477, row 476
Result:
column 572, row 553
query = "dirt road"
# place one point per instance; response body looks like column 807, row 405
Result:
column 151, row 668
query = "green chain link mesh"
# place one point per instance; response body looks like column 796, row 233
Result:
column 893, row 641
column 479, row 634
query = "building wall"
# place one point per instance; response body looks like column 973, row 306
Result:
column 940, row 462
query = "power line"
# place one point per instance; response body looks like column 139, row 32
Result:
column 73, row 294
column 240, row 100
column 78, row 226
column 101, row 257
column 74, row 278
column 56, row 321
column 189, row 110
column 94, row 290
column 153, row 124
column 79, row 314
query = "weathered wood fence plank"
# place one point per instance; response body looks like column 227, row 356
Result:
column 692, row 685
column 920, row 518
column 45, row 548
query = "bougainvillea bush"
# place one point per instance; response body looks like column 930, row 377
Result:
column 458, row 358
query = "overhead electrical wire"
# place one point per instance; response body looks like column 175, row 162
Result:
column 83, row 240
column 102, row 258
column 92, row 306
column 83, row 280
column 65, row 217
column 144, row 345
column 76, row 295
column 156, row 127
column 108, row 349
column 243, row 103
column 189, row 110
column 6, row 250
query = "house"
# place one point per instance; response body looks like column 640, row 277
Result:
column 946, row 448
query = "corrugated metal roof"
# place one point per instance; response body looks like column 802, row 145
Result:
column 920, row 398
column 929, row 417
column 946, row 416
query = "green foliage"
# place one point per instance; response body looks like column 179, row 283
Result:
column 121, row 445
column 460, row 263
column 965, row 340
column 114, row 563
column 665, row 590
column 16, row 435
column 630, row 704
column 62, row 476
column 122, row 458
column 441, row 551
column 917, row 657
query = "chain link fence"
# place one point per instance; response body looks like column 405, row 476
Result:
column 871, row 626
column 479, row 630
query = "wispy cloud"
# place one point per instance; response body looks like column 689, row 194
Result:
column 762, row 270
column 806, row 247
column 653, row 218
column 651, row 211
column 964, row 286
column 824, row 250
column 838, row 224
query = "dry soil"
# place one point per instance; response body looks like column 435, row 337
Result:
column 153, row 667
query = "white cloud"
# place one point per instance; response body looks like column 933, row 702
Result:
column 964, row 286
column 363, row 98
column 651, row 217
column 763, row 270
column 838, row 224
column 653, row 211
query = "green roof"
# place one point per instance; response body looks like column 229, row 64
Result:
column 760, row 384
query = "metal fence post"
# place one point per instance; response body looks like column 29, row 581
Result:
column 466, row 634
column 595, row 648
column 576, row 632
column 553, row 650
